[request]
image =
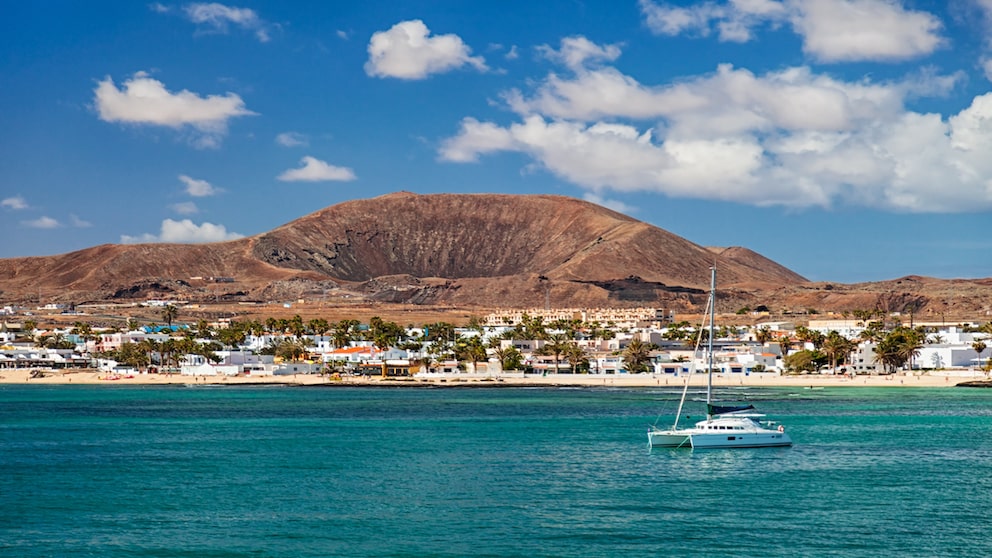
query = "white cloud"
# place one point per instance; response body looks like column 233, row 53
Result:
column 790, row 138
column 315, row 170
column 218, row 17
column 832, row 30
column 734, row 20
column 615, row 205
column 851, row 30
column 159, row 8
column 75, row 221
column 577, row 52
column 407, row 51
column 15, row 202
column 185, row 208
column 184, row 232
column 986, row 65
column 292, row 139
column 728, row 101
column 43, row 223
column 198, row 188
column 144, row 100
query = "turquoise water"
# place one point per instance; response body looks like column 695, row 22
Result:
column 279, row 471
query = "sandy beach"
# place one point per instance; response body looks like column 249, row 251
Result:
column 934, row 379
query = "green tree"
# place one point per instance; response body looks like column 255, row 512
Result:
column 318, row 326
column 296, row 327
column 763, row 334
column 837, row 348
column 813, row 337
column 131, row 354
column 84, row 331
column 898, row 347
column 292, row 349
column 509, row 357
column 471, row 349
column 979, row 347
column 203, row 330
column 804, row 361
column 169, row 314
column 576, row 357
column 636, row 356
column 232, row 336
column 343, row 333
column 555, row 345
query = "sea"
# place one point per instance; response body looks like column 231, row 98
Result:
column 258, row 471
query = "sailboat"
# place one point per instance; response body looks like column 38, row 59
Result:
column 725, row 426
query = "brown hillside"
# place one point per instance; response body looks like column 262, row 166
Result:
column 464, row 250
column 460, row 236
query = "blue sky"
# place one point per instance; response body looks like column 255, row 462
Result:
column 849, row 140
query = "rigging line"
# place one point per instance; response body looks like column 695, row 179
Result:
column 692, row 365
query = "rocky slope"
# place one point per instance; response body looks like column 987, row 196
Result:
column 480, row 250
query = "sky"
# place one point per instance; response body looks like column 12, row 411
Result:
column 848, row 140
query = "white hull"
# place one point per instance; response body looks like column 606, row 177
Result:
column 720, row 432
column 724, row 427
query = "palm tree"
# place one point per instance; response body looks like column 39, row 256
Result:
column 203, row 330
column 980, row 347
column 470, row 349
column 509, row 357
column 169, row 314
column 296, row 326
column 150, row 346
column 898, row 347
column 763, row 334
column 342, row 335
column 556, row 345
column 318, row 326
column 837, row 347
column 292, row 349
column 576, row 357
column 233, row 336
column 636, row 356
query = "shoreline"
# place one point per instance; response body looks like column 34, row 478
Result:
column 93, row 377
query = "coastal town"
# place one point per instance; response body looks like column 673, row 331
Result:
column 620, row 346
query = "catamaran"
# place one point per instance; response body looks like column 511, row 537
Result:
column 725, row 426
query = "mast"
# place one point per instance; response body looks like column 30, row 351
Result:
column 710, row 305
column 709, row 343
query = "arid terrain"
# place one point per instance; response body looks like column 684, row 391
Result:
column 416, row 257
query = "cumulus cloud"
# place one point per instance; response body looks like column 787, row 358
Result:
column 185, row 208
column 849, row 30
column 791, row 137
column 734, row 21
column 145, row 101
column 408, row 51
column 184, row 232
column 15, row 202
column 315, row 170
column 579, row 52
column 217, row 18
column 198, row 188
column 292, row 139
column 832, row 30
column 43, row 222
column 75, row 221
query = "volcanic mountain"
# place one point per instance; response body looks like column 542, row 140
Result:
column 481, row 250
